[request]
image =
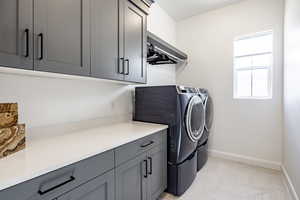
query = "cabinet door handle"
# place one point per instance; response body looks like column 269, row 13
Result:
column 42, row 192
column 26, row 55
column 151, row 169
column 41, row 36
column 146, row 167
column 147, row 3
column 121, row 66
column 127, row 66
column 148, row 144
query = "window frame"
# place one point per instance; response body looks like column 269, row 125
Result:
column 253, row 68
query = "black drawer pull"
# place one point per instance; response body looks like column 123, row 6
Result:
column 72, row 178
column 151, row 169
column 146, row 167
column 148, row 144
column 41, row 36
column 147, row 3
column 26, row 43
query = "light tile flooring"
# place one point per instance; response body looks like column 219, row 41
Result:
column 226, row 180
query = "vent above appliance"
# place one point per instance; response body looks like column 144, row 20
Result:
column 161, row 52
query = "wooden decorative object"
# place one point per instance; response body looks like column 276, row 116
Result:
column 8, row 115
column 12, row 140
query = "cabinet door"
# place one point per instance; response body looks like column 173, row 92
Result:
column 16, row 31
column 100, row 188
column 131, row 180
column 134, row 39
column 105, row 39
column 157, row 172
column 62, row 36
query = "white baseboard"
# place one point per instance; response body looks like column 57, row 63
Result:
column 289, row 184
column 246, row 159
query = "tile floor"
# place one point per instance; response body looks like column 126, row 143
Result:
column 226, row 180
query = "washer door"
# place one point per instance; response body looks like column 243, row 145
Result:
column 209, row 113
column 195, row 118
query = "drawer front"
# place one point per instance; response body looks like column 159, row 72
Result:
column 133, row 149
column 54, row 184
column 100, row 188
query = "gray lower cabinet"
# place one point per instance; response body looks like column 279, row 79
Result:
column 100, row 188
column 131, row 179
column 16, row 30
column 138, row 174
column 144, row 177
column 62, row 36
column 157, row 173
column 61, row 181
column 133, row 42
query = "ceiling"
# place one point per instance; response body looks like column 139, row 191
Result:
column 182, row 9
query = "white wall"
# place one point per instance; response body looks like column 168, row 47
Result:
column 250, row 128
column 46, row 101
column 292, row 92
column 162, row 25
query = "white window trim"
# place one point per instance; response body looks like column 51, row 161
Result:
column 270, row 80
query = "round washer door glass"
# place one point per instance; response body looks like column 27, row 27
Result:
column 195, row 118
column 209, row 113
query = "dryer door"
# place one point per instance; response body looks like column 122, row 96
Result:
column 195, row 118
column 209, row 113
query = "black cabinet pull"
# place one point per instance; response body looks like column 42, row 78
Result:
column 41, row 36
column 151, row 169
column 42, row 192
column 26, row 43
column 121, row 66
column 148, row 144
column 127, row 66
column 146, row 167
column 147, row 3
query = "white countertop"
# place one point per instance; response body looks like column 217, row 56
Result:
column 54, row 151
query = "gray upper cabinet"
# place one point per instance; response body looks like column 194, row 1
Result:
column 62, row 36
column 133, row 22
column 100, row 188
column 131, row 182
column 99, row 38
column 16, row 33
column 104, row 40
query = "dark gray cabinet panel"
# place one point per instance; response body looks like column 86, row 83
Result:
column 56, row 183
column 98, row 38
column 105, row 62
column 135, row 148
column 133, row 41
column 16, row 29
column 157, row 172
column 62, row 36
column 131, row 183
column 100, row 188
column 145, row 176
column 142, row 176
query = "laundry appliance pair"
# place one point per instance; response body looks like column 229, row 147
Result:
column 188, row 113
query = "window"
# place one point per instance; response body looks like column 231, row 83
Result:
column 253, row 60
